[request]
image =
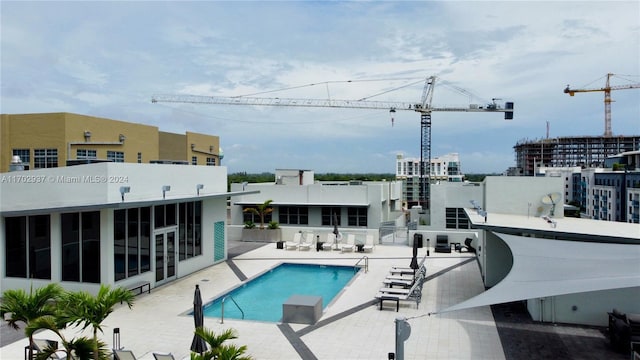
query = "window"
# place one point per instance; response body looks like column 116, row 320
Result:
column 25, row 156
column 254, row 218
column 294, row 215
column 132, row 242
column 455, row 218
column 70, row 225
column 327, row 215
column 194, row 160
column 139, row 158
column 189, row 230
column 45, row 158
column 85, row 154
column 165, row 215
column 211, row 161
column 357, row 216
column 90, row 226
column 28, row 247
column 115, row 156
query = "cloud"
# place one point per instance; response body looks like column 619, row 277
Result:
column 108, row 58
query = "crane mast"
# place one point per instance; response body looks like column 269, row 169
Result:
column 424, row 107
column 607, row 99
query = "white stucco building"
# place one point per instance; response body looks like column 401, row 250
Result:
column 568, row 270
column 302, row 204
column 110, row 223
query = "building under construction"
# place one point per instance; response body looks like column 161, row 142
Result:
column 584, row 151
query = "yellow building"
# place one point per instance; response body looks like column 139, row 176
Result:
column 57, row 139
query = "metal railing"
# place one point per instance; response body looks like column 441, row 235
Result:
column 222, row 308
column 366, row 263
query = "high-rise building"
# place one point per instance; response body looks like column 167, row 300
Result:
column 443, row 168
column 582, row 151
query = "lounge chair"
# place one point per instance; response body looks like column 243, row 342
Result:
column 368, row 243
column 402, row 270
column 331, row 240
column 397, row 295
column 293, row 244
column 48, row 346
column 349, row 244
column 405, row 283
column 467, row 246
column 161, row 356
column 400, row 277
column 306, row 242
column 123, row 355
column 442, row 244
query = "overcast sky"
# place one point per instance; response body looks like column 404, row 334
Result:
column 108, row 59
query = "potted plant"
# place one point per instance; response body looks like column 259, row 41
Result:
column 270, row 233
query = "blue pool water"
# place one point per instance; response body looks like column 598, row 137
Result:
column 262, row 298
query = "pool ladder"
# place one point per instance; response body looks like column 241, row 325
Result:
column 222, row 308
column 366, row 263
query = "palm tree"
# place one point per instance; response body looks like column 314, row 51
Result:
column 261, row 210
column 218, row 350
column 87, row 310
column 81, row 348
column 23, row 307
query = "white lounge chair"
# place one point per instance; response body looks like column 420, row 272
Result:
column 349, row 244
column 306, row 242
column 397, row 295
column 393, row 281
column 403, row 270
column 161, row 356
column 330, row 242
column 123, row 355
column 368, row 243
column 43, row 345
column 293, row 244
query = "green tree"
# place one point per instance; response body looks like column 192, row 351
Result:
column 217, row 349
column 25, row 307
column 81, row 348
column 87, row 310
column 261, row 210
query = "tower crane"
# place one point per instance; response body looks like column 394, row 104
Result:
column 607, row 99
column 424, row 108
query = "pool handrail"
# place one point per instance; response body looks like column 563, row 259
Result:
column 222, row 308
column 366, row 263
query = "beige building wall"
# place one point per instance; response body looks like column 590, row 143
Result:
column 111, row 135
column 202, row 146
column 68, row 133
column 172, row 146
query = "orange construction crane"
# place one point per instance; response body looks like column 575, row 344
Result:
column 607, row 99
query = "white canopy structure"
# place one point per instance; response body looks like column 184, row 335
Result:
column 546, row 267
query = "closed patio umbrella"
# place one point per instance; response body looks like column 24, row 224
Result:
column 414, row 258
column 198, row 345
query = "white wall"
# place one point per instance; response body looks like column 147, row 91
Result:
column 519, row 195
column 451, row 195
column 377, row 196
column 100, row 184
column 589, row 308
column 146, row 182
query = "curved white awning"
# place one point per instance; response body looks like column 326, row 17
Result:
column 545, row 267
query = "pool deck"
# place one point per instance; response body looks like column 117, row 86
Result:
column 352, row 326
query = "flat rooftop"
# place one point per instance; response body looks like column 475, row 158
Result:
column 575, row 228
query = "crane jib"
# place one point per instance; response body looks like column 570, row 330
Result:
column 331, row 103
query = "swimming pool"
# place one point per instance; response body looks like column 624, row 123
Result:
column 262, row 298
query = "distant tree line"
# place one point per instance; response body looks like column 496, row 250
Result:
column 241, row 177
